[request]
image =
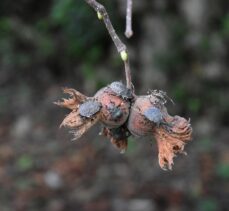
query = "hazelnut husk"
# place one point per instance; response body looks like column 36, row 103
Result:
column 171, row 133
column 106, row 107
column 118, row 137
column 122, row 114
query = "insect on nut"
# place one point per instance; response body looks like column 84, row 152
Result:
column 114, row 110
column 121, row 90
column 89, row 108
column 154, row 115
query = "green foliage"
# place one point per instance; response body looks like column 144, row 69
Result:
column 194, row 104
column 4, row 100
column 79, row 25
column 225, row 25
column 178, row 29
column 24, row 183
column 132, row 145
column 42, row 25
column 179, row 92
column 94, row 54
column 208, row 205
column 24, row 162
column 88, row 71
column 5, row 28
column 223, row 170
column 205, row 144
column 62, row 11
column 205, row 44
column 100, row 84
column 45, row 46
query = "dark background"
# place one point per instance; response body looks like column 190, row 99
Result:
column 180, row 47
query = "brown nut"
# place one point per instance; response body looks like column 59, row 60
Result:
column 115, row 110
column 138, row 124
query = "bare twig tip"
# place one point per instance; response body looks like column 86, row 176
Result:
column 129, row 34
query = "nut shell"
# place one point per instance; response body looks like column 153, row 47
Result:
column 138, row 124
column 115, row 110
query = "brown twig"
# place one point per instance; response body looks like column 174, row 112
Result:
column 129, row 31
column 121, row 47
column 128, row 75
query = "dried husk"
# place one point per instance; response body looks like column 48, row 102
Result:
column 79, row 125
column 172, row 139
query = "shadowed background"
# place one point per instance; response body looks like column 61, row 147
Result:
column 180, row 47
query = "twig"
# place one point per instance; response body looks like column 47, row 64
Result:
column 121, row 47
column 128, row 75
column 129, row 31
column 99, row 8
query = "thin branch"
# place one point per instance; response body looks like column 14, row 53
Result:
column 128, row 75
column 99, row 8
column 121, row 47
column 129, row 31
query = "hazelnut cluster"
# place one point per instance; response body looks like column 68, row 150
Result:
column 123, row 114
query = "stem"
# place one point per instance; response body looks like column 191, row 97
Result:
column 128, row 74
column 129, row 31
column 121, row 47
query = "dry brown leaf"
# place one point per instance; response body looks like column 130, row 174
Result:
column 120, row 144
column 73, row 120
column 80, row 124
column 172, row 141
column 75, row 99
column 118, row 137
column 87, row 124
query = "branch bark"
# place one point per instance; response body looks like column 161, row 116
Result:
column 129, row 31
column 121, row 47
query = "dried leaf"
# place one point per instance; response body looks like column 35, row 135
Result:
column 120, row 144
column 73, row 120
column 80, row 124
column 87, row 124
column 171, row 140
column 118, row 137
column 75, row 99
column 75, row 94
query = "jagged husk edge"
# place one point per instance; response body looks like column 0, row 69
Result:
column 172, row 139
column 79, row 125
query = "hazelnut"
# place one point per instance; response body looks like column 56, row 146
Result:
column 114, row 110
column 138, row 123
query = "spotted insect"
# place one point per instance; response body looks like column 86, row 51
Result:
column 154, row 115
column 121, row 90
column 89, row 108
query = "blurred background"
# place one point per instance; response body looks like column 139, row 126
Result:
column 181, row 47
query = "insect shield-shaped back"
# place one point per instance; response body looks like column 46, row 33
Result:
column 89, row 108
column 154, row 115
column 121, row 90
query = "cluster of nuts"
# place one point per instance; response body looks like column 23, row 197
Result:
column 123, row 114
